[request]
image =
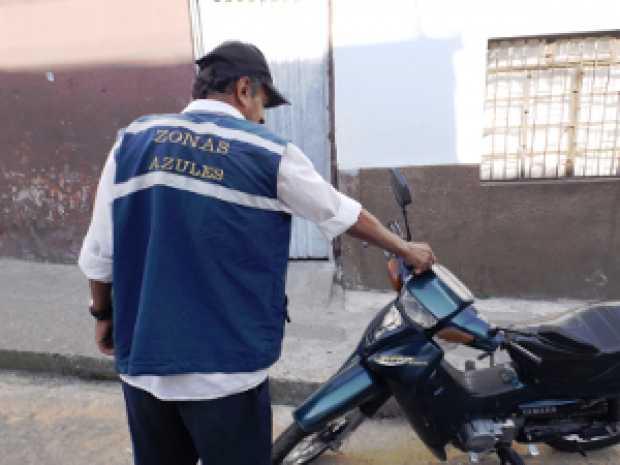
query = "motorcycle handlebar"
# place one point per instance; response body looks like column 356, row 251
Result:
column 504, row 336
column 523, row 351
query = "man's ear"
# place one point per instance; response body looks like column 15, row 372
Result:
column 243, row 90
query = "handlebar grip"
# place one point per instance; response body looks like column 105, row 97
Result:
column 404, row 267
column 523, row 351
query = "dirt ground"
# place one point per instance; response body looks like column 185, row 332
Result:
column 65, row 421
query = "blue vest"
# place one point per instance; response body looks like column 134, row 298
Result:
column 201, row 246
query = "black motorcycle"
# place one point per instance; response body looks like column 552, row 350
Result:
column 561, row 386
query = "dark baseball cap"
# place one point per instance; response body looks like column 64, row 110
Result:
column 235, row 59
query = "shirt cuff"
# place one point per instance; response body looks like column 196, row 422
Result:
column 347, row 215
column 94, row 267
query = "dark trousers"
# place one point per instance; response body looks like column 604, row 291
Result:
column 233, row 430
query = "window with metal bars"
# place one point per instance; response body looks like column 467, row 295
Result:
column 552, row 107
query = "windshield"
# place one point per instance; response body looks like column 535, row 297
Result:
column 439, row 291
column 454, row 283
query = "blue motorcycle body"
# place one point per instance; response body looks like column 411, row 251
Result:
column 445, row 405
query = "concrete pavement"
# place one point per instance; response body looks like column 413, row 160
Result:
column 45, row 325
column 65, row 421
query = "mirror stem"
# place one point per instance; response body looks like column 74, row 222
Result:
column 407, row 224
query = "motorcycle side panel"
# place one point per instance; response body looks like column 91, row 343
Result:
column 549, row 408
column 344, row 391
column 485, row 392
column 407, row 369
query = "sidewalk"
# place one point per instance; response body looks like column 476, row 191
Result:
column 46, row 327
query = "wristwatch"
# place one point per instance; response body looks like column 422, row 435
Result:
column 101, row 315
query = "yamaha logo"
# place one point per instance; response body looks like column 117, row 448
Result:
column 540, row 410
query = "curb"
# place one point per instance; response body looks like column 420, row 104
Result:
column 89, row 368
column 283, row 391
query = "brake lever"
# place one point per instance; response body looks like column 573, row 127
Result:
column 394, row 226
column 508, row 342
column 403, row 269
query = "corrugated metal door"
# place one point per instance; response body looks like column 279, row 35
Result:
column 294, row 36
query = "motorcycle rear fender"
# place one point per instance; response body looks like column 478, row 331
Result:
column 347, row 389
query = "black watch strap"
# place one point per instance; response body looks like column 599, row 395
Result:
column 101, row 315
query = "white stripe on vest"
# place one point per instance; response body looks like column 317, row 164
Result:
column 177, row 181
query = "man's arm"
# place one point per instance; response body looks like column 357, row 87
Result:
column 101, row 295
column 308, row 195
column 369, row 228
column 96, row 255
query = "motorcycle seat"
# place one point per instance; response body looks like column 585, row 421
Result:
column 593, row 330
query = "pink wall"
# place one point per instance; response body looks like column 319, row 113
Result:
column 109, row 62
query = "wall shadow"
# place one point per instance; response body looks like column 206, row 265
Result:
column 395, row 103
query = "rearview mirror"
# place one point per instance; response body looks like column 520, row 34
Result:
column 400, row 188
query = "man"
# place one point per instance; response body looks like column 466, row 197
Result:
column 191, row 230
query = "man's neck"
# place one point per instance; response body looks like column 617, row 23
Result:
column 225, row 99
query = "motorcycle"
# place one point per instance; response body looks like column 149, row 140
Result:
column 561, row 385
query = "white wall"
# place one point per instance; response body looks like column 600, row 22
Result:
column 410, row 75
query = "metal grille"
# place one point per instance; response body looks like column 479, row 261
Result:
column 552, row 108
column 299, row 66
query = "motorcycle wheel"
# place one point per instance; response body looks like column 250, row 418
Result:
column 297, row 447
column 574, row 443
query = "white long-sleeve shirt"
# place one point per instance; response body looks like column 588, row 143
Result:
column 300, row 188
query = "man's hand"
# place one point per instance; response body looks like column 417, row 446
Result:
column 418, row 255
column 103, row 337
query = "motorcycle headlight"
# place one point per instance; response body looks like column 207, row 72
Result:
column 391, row 321
column 416, row 312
